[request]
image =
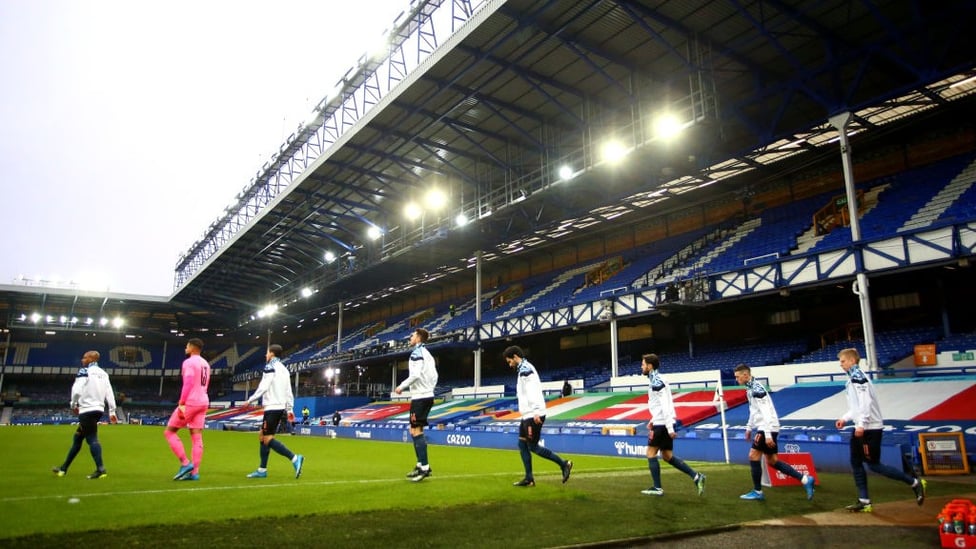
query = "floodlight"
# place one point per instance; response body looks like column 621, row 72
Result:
column 565, row 173
column 461, row 219
column 373, row 233
column 613, row 151
column 412, row 211
column 666, row 126
column 267, row 310
column 329, row 256
column 307, row 292
column 435, row 199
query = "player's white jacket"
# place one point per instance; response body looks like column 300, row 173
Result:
column 863, row 407
column 762, row 413
column 91, row 390
column 531, row 401
column 422, row 377
column 275, row 388
column 660, row 402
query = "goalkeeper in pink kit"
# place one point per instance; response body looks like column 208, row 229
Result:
column 191, row 411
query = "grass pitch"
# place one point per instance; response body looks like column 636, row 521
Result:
column 354, row 493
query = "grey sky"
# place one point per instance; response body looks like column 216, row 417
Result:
column 128, row 126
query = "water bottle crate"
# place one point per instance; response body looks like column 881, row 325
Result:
column 957, row 517
column 957, row 541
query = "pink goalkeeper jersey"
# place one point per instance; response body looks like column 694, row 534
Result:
column 196, row 379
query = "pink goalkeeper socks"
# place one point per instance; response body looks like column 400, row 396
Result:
column 197, row 452
column 176, row 445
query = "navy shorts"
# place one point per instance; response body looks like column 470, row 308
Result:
column 660, row 438
column 530, row 431
column 759, row 443
column 419, row 410
column 88, row 423
column 272, row 418
column 867, row 448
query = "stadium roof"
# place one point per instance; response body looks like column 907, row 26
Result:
column 488, row 103
column 70, row 309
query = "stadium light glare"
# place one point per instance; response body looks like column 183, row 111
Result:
column 103, row 321
column 330, row 256
column 667, row 126
column 461, row 219
column 412, row 211
column 63, row 319
column 117, row 322
column 88, row 321
column 435, row 199
column 267, row 311
column 565, row 173
column 613, row 151
column 373, row 233
column 35, row 318
column 307, row 292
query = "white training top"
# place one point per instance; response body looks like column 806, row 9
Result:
column 531, row 401
column 660, row 402
column 762, row 414
column 422, row 377
column 91, row 390
column 863, row 406
column 275, row 387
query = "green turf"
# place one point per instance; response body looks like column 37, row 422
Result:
column 354, row 494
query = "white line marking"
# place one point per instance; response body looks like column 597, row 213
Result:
column 591, row 473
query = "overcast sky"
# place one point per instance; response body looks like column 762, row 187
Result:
column 126, row 126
